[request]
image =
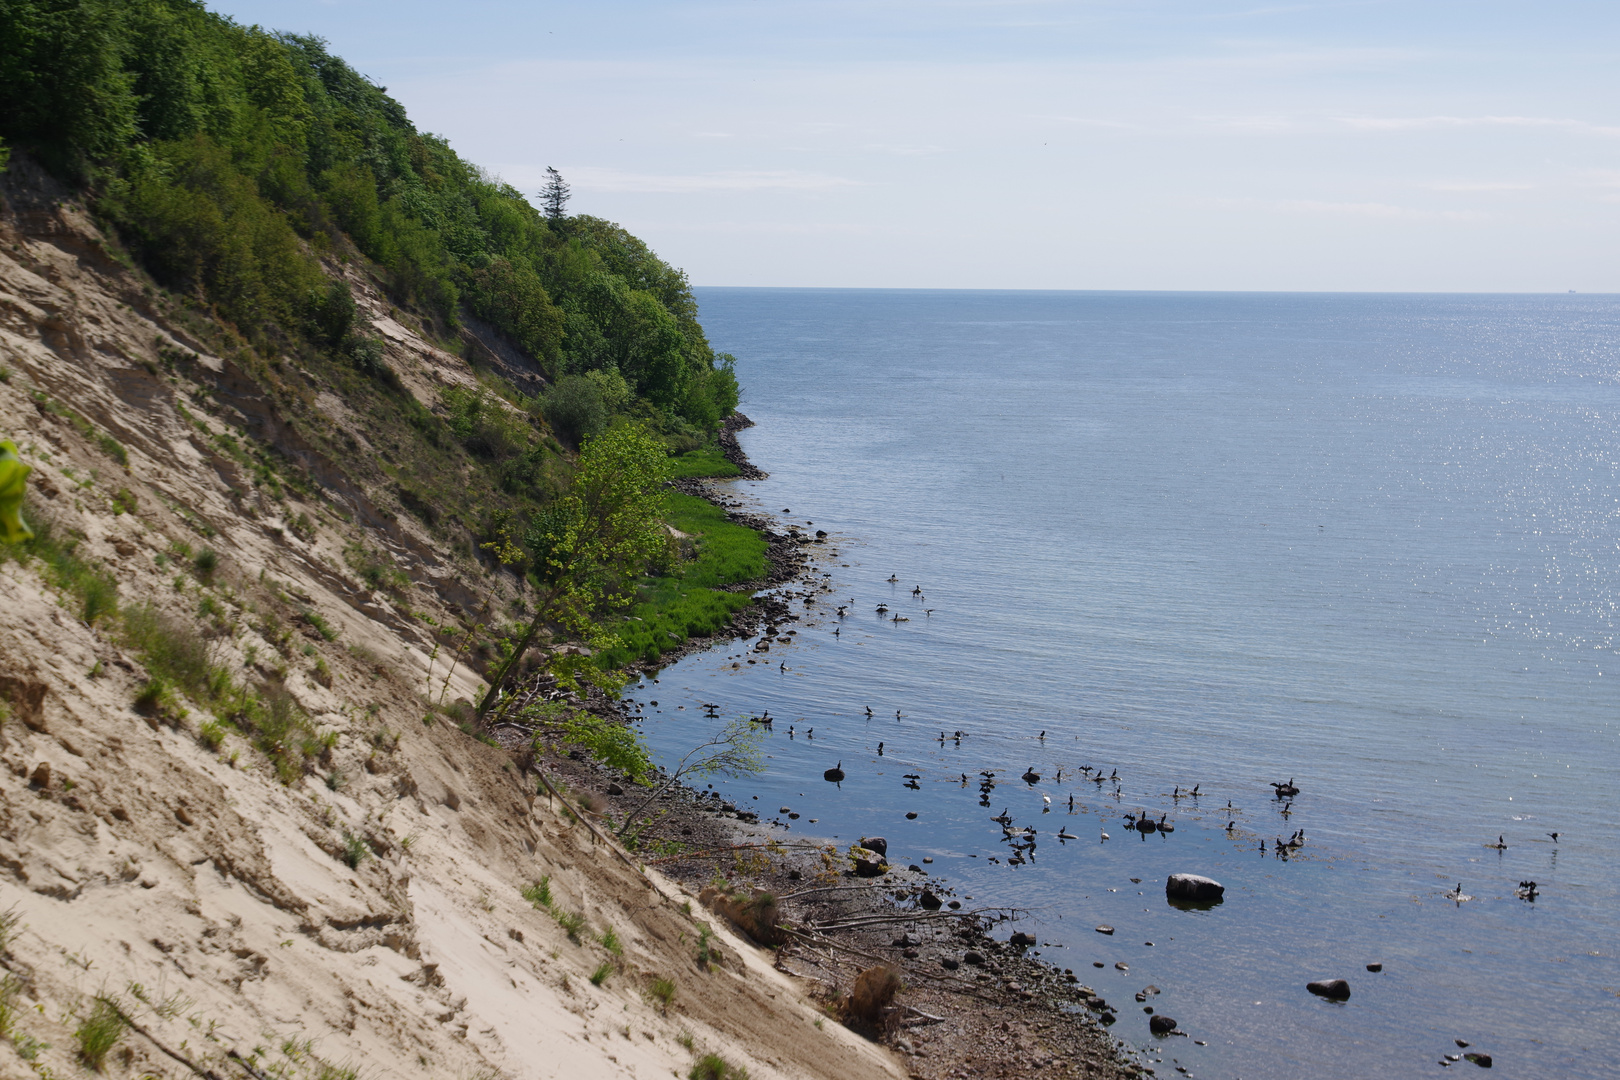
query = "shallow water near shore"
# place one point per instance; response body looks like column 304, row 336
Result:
column 1369, row 543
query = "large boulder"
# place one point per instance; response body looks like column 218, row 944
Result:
column 875, row 843
column 1161, row 1024
column 1333, row 989
column 1193, row 888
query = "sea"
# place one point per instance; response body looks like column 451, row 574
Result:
column 1368, row 545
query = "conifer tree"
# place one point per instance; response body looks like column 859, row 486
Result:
column 554, row 196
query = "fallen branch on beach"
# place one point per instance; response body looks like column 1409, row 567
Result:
column 771, row 845
column 916, row 917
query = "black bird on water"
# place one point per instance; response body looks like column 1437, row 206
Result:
column 880, row 749
column 869, row 712
column 1286, row 791
column 894, row 579
column 1554, row 837
column 834, row 774
column 1031, row 776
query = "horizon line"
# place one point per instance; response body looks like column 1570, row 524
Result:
column 1164, row 292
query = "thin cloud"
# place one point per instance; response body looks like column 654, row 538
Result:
column 1469, row 186
column 1378, row 210
column 1430, row 123
column 616, row 180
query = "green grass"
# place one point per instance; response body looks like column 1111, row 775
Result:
column 572, row 923
column 211, row 734
column 689, row 602
column 708, row 462
column 99, row 1032
column 88, row 582
column 539, row 894
column 107, row 444
column 355, row 850
column 715, row 1067
column 610, row 941
column 318, row 622
column 600, row 975
column 663, row 992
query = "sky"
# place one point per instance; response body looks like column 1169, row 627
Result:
column 1410, row 145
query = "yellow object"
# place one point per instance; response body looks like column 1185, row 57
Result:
column 13, row 482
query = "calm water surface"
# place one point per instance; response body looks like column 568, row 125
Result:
column 1371, row 543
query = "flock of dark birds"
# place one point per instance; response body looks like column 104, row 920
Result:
column 1022, row 840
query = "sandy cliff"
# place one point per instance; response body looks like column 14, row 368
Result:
column 187, row 884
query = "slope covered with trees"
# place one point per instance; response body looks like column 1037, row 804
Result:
column 263, row 185
column 231, row 159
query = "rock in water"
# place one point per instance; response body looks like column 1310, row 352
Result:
column 1375, row 966
column 1482, row 1060
column 1105, row 929
column 1194, row 887
column 929, row 901
column 1021, row 939
column 1333, row 989
column 1161, row 1024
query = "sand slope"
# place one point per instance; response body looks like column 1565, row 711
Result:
column 209, row 900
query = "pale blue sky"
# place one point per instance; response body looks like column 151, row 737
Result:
column 1370, row 145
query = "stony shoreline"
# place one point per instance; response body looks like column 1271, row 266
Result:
column 973, row 1004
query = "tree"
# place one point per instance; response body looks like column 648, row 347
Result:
column 734, row 750
column 554, row 196
column 592, row 544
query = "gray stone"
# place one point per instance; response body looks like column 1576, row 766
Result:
column 1194, row 887
column 1161, row 1024
column 875, row 843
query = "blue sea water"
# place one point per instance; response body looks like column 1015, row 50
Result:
column 1370, row 543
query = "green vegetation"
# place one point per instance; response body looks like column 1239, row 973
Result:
column 688, row 602
column 98, row 1033
column 211, row 733
column 705, row 462
column 355, row 850
column 662, row 991
column 108, row 445
column 610, row 941
column 254, row 175
column 572, row 923
column 319, row 624
column 13, row 490
column 715, row 1067
column 592, row 542
column 229, row 158
column 603, row 970
column 539, row 894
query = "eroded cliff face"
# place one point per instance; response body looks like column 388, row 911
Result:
column 350, row 904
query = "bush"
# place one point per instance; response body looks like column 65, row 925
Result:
column 575, row 409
